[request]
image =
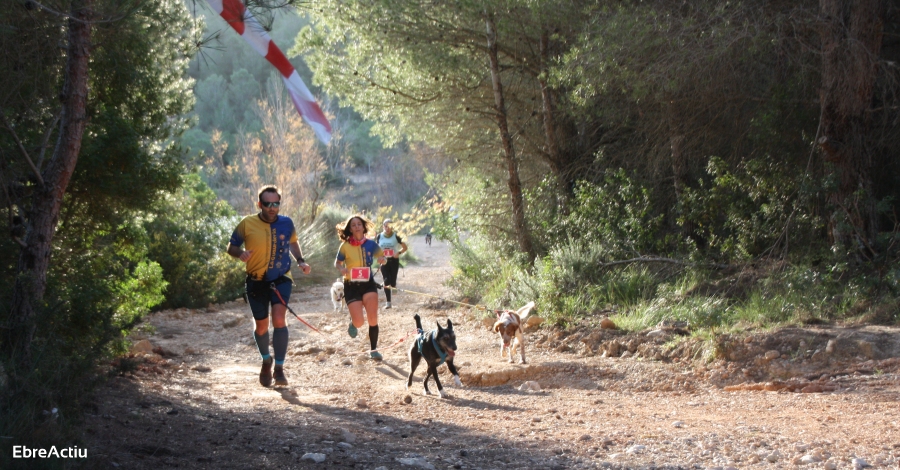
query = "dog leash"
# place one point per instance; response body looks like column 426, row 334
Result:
column 396, row 343
column 475, row 306
column 275, row 289
column 278, row 294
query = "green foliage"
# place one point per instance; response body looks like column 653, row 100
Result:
column 698, row 312
column 412, row 68
column 99, row 282
column 754, row 209
column 572, row 281
column 98, row 289
column 616, row 212
column 793, row 295
column 187, row 236
column 364, row 147
column 140, row 293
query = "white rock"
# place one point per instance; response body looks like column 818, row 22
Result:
column 381, row 468
column 530, row 386
column 772, row 354
column 830, row 465
column 362, row 403
column 829, row 348
column 347, row 361
column 386, row 430
column 615, row 456
column 317, row 458
column 536, row 419
column 809, row 458
column 859, row 463
column 655, row 333
column 678, row 424
column 348, row 436
column 774, row 456
column 416, row 462
column 345, row 445
column 635, row 449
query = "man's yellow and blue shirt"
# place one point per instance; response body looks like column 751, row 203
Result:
column 270, row 243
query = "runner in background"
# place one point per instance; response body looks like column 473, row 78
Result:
column 393, row 247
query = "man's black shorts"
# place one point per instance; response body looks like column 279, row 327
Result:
column 260, row 295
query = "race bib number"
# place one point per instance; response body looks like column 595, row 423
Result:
column 389, row 253
column 359, row 274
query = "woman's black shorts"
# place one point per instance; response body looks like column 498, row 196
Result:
column 354, row 291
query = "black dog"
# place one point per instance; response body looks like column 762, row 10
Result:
column 436, row 347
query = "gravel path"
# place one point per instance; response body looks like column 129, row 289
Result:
column 196, row 402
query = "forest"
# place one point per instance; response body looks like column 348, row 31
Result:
column 727, row 164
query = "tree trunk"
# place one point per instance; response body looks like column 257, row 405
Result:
column 42, row 217
column 851, row 42
column 547, row 102
column 509, row 153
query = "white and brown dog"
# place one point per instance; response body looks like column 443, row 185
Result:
column 510, row 326
column 337, row 295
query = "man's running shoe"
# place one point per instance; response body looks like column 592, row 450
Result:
column 352, row 331
column 265, row 375
column 280, row 379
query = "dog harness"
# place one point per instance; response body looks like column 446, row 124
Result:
column 420, row 339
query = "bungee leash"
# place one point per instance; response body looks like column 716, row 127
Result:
column 278, row 294
column 475, row 306
column 396, row 343
column 275, row 289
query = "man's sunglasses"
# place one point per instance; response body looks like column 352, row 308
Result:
column 270, row 204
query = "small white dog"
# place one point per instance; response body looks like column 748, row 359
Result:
column 337, row 295
column 510, row 326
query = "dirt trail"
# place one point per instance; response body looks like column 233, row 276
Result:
column 200, row 405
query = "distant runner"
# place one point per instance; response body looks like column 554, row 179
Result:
column 390, row 242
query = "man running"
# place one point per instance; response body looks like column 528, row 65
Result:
column 270, row 240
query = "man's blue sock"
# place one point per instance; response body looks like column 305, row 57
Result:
column 262, row 343
column 280, row 343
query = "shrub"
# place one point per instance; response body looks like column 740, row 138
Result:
column 187, row 235
column 758, row 208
